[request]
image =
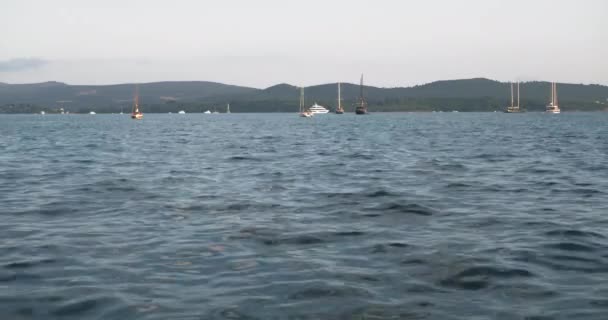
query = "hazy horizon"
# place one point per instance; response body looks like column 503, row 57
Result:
column 395, row 44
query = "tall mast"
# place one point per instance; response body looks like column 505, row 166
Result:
column 511, row 94
column 361, row 87
column 555, row 85
column 518, row 94
column 301, row 99
column 136, row 99
column 339, row 97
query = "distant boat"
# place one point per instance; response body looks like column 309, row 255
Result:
column 553, row 107
column 514, row 108
column 207, row 112
column 317, row 109
column 136, row 114
column 362, row 103
column 339, row 108
column 92, row 112
column 228, row 108
column 182, row 112
column 304, row 112
column 42, row 112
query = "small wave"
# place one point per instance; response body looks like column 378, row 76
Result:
column 243, row 158
column 349, row 233
column 570, row 246
column 27, row 264
column 361, row 156
column 476, row 278
column 573, row 233
column 405, row 208
column 459, row 185
column 380, row 193
column 294, row 240
column 323, row 291
column 84, row 306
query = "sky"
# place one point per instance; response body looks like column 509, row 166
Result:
column 265, row 42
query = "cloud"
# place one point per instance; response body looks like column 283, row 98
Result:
column 21, row 64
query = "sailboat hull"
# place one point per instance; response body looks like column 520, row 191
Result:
column 137, row 116
column 359, row 111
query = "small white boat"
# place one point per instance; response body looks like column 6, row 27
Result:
column 228, row 108
column 207, row 112
column 92, row 112
column 182, row 112
column 553, row 107
column 42, row 112
column 317, row 109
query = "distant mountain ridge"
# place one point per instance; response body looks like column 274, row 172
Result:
column 477, row 94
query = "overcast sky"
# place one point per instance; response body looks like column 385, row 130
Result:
column 265, row 42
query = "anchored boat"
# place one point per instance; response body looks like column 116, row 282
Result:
column 136, row 114
column 362, row 103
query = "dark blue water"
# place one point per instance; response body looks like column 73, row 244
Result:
column 387, row 216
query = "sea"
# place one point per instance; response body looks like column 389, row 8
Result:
column 273, row 216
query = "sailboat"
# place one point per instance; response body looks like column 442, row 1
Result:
column 362, row 103
column 136, row 113
column 304, row 112
column 553, row 107
column 228, row 108
column 514, row 108
column 339, row 109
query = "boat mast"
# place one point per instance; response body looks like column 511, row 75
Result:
column 511, row 94
column 361, row 87
column 339, row 98
column 301, row 99
column 136, row 100
column 518, row 95
column 555, row 92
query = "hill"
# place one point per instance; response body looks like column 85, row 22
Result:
column 477, row 94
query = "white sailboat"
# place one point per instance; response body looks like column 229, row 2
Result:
column 207, row 112
column 339, row 108
column 181, row 112
column 514, row 108
column 304, row 112
column 228, row 108
column 553, row 107
column 136, row 113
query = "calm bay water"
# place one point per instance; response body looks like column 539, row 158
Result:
column 387, row 216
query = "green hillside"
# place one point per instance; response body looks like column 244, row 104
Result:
column 464, row 95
